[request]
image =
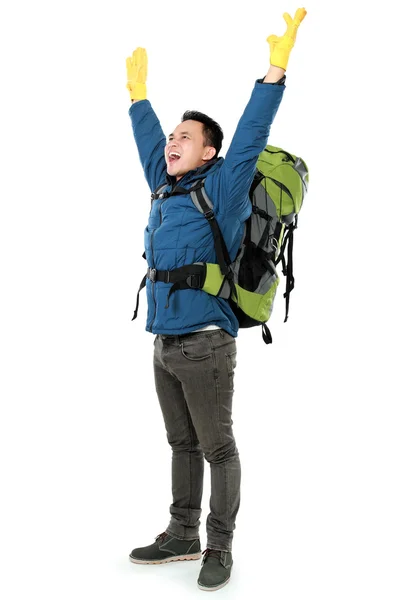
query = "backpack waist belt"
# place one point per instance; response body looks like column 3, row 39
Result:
column 192, row 275
column 200, row 276
column 187, row 277
column 183, row 278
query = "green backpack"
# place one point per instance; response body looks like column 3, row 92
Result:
column 250, row 282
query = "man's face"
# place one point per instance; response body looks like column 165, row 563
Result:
column 185, row 149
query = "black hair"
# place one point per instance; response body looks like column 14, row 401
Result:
column 212, row 132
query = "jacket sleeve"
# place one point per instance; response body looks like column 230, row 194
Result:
column 250, row 138
column 150, row 141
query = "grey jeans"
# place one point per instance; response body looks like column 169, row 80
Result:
column 194, row 382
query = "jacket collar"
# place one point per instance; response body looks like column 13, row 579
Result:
column 195, row 173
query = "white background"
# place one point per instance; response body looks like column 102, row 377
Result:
column 85, row 464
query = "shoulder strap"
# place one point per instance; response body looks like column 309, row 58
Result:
column 258, row 177
column 160, row 192
column 204, row 205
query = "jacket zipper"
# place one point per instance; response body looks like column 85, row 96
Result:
column 152, row 256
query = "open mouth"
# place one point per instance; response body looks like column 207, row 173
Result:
column 173, row 157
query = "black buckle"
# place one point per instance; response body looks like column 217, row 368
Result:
column 161, row 196
column 209, row 215
column 193, row 281
column 152, row 274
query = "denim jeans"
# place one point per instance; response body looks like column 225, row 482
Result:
column 194, row 382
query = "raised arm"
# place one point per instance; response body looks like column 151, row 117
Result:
column 136, row 74
column 149, row 136
column 252, row 132
column 281, row 47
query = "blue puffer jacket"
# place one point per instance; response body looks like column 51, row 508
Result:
column 177, row 233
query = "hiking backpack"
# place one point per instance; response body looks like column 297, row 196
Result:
column 250, row 282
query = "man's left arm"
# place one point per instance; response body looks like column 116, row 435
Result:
column 248, row 142
column 252, row 132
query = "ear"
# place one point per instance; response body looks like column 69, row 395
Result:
column 209, row 153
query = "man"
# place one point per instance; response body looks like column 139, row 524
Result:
column 195, row 345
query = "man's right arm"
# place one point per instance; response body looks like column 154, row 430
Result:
column 150, row 141
column 149, row 137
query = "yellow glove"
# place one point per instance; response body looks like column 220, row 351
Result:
column 136, row 71
column 280, row 47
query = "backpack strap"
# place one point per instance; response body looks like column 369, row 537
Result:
column 266, row 334
column 287, row 266
column 183, row 278
column 192, row 276
column 160, row 192
column 204, row 205
column 142, row 284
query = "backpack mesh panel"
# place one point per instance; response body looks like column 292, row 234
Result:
column 253, row 265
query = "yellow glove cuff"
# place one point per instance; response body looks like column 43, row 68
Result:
column 280, row 57
column 137, row 91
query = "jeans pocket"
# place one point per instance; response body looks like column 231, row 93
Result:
column 195, row 352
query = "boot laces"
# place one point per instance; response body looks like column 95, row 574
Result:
column 211, row 552
column 161, row 537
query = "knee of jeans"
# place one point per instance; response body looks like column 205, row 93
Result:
column 221, row 454
column 183, row 444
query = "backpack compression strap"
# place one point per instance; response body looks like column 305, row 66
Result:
column 287, row 266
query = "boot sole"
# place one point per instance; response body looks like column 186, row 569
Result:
column 212, row 589
column 139, row 561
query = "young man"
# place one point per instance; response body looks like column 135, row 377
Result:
column 195, row 345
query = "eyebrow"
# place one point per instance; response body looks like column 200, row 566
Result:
column 181, row 133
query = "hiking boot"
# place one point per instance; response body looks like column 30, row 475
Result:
column 215, row 570
column 166, row 549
